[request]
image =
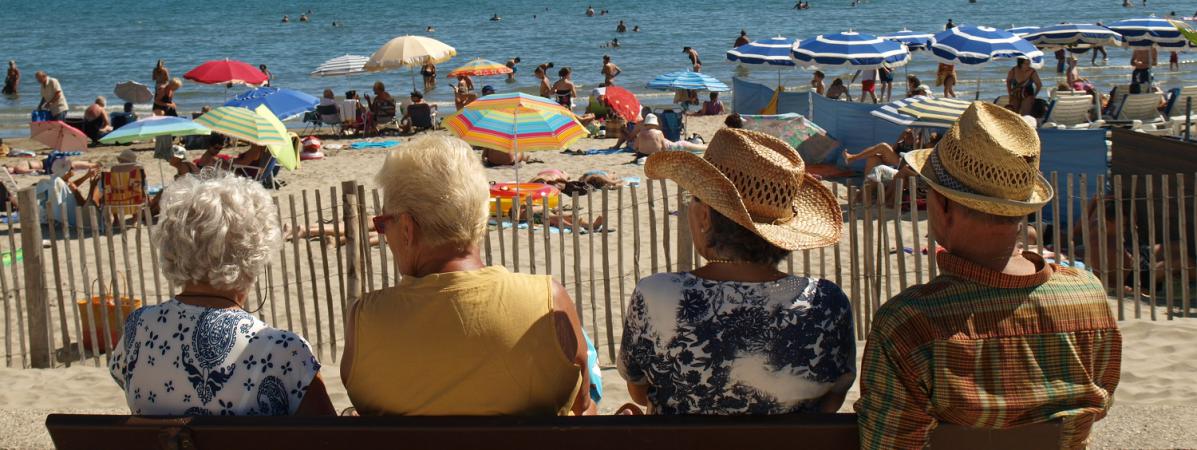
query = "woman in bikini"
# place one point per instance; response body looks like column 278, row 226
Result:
column 945, row 76
column 463, row 94
column 564, row 89
column 429, row 74
column 1022, row 84
column 164, row 101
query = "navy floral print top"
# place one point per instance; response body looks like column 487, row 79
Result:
column 179, row 359
column 718, row 347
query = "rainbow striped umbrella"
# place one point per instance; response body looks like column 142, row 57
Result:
column 515, row 122
column 257, row 126
column 480, row 68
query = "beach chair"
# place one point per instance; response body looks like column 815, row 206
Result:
column 349, row 118
column 123, row 192
column 1117, row 95
column 671, row 125
column 264, row 172
column 323, row 116
column 1140, row 109
column 421, row 117
column 1175, row 113
column 1071, row 111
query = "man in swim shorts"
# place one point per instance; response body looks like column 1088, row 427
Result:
column 868, row 84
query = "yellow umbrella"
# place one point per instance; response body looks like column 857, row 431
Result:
column 410, row 52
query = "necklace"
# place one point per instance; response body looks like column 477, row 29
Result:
column 209, row 296
column 726, row 261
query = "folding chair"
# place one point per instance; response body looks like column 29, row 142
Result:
column 1071, row 111
column 123, row 192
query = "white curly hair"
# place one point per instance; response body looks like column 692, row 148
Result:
column 440, row 182
column 216, row 229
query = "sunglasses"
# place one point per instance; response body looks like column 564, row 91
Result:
column 380, row 222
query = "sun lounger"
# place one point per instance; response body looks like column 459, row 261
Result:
column 1071, row 111
column 816, row 431
column 1140, row 108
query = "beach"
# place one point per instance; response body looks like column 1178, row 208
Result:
column 1154, row 404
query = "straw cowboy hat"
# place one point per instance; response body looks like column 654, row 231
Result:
column 760, row 183
column 988, row 161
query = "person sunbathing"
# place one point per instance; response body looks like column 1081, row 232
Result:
column 36, row 167
column 492, row 158
column 651, row 140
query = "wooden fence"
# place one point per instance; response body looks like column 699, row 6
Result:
column 48, row 269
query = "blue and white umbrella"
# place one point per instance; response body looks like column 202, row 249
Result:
column 773, row 51
column 1150, row 32
column 850, row 49
column 1022, row 31
column 284, row 103
column 1075, row 35
column 687, row 80
column 913, row 39
column 977, row 46
column 342, row 66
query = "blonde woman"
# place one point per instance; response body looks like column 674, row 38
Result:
column 164, row 101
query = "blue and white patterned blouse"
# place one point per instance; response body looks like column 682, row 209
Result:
column 719, row 347
column 179, row 359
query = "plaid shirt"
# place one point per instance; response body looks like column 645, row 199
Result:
column 980, row 348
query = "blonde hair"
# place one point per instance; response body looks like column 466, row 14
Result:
column 176, row 83
column 438, row 181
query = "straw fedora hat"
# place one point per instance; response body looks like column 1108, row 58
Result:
column 987, row 161
column 760, row 183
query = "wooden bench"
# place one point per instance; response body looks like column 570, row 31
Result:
column 816, row 431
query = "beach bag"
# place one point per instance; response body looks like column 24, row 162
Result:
column 39, row 115
column 101, row 308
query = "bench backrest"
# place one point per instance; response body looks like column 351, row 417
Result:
column 825, row 431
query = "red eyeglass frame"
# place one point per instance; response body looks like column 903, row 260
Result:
column 380, row 222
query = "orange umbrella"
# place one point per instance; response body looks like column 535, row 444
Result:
column 57, row 135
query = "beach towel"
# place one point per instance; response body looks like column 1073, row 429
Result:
column 379, row 144
column 604, row 151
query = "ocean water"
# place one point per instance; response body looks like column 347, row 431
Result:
column 90, row 47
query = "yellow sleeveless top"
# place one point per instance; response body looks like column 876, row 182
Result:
column 481, row 342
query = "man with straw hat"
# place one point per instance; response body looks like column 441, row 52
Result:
column 1000, row 338
column 737, row 335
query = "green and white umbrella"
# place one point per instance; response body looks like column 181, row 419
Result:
column 257, row 126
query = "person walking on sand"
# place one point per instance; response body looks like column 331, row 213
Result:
column 1000, row 338
column 53, row 99
column 610, row 71
column 12, row 79
column 694, row 60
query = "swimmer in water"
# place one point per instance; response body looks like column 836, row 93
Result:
column 430, row 29
column 286, row 19
column 589, row 11
column 495, row 18
column 636, row 29
column 303, row 18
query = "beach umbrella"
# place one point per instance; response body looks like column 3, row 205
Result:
column 974, row 46
column 1022, row 31
column 850, row 49
column 226, row 71
column 923, row 111
column 687, row 80
column 513, row 122
column 284, row 103
column 57, row 135
column 410, row 52
column 133, row 92
column 1075, row 35
column 152, row 127
column 256, row 126
column 623, row 102
column 914, row 40
column 341, row 66
column 1150, row 32
column 773, row 51
column 1185, row 30
column 480, row 68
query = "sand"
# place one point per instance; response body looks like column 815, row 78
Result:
column 1156, row 404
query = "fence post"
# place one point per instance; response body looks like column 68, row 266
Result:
column 353, row 263
column 37, row 304
column 685, row 244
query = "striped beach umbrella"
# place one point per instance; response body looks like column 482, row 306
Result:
column 687, row 80
column 284, row 103
column 850, row 49
column 152, row 127
column 256, row 126
column 516, row 122
column 342, row 66
column 923, row 111
column 1150, row 32
column 914, row 40
column 1075, row 35
column 977, row 46
column 480, row 68
column 1022, row 31
column 773, row 51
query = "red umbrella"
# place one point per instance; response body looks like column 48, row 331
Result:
column 58, row 135
column 623, row 102
column 226, row 71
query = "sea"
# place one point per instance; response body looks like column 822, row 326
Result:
column 90, row 46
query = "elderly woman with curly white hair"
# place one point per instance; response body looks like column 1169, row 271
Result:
column 202, row 353
column 456, row 337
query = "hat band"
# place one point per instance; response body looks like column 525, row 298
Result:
column 946, row 179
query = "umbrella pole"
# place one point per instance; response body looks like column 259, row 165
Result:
column 978, row 97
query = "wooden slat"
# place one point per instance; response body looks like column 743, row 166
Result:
column 1165, row 210
column 52, row 232
column 1183, row 229
column 1071, row 224
column 1057, row 219
column 486, row 245
column 383, row 260
column 665, row 234
column 685, row 244
column 298, row 275
column 516, row 208
column 500, row 219
column 916, row 237
column 92, row 330
column 313, row 281
column 577, row 259
column 328, row 295
column 1086, row 212
column 868, row 256
column 8, row 356
column 529, row 209
column 287, row 276
column 607, row 278
column 16, row 287
column 128, row 279
column 1102, row 251
column 652, row 229
column 106, row 338
column 366, row 264
column 901, row 240
column 839, row 280
column 620, row 231
column 37, row 303
column 1151, row 243
column 590, row 259
column 546, row 234
column 353, row 249
column 1120, row 239
column 70, row 265
column 882, row 250
column 1136, row 283
column 854, row 264
column 636, row 232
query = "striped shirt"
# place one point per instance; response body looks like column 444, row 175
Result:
column 980, row 348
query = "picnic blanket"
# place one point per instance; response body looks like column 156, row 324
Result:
column 379, row 144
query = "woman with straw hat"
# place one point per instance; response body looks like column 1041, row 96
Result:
column 738, row 336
